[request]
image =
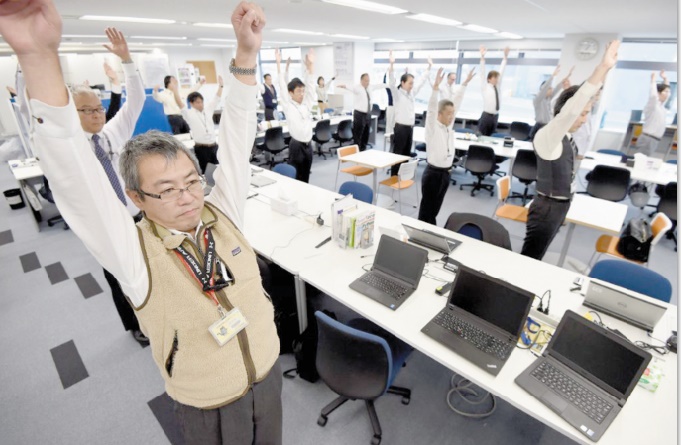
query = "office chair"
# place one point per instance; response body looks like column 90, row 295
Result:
column 285, row 170
column 274, row 144
column 499, row 135
column 322, row 135
column 633, row 277
column 360, row 192
column 525, row 169
column 359, row 361
column 520, row 131
column 668, row 206
column 610, row 183
column 405, row 178
column 504, row 209
column 464, row 130
column 46, row 193
column 354, row 170
column 479, row 227
column 343, row 133
column 479, row 161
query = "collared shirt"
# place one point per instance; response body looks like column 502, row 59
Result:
column 454, row 93
column 403, row 101
column 489, row 98
column 655, row 114
column 96, row 215
column 299, row 116
column 167, row 98
column 322, row 92
column 542, row 103
column 201, row 122
column 360, row 98
column 439, row 137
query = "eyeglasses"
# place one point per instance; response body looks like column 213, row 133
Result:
column 173, row 194
column 89, row 111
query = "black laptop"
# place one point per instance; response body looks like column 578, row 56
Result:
column 431, row 240
column 586, row 374
column 395, row 274
column 482, row 320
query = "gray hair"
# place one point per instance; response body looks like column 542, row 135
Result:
column 152, row 142
column 80, row 90
column 444, row 103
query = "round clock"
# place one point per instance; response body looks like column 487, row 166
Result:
column 587, row 48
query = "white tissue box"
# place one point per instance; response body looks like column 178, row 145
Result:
column 286, row 207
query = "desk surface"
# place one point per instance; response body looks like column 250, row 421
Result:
column 375, row 158
column 597, row 213
column 462, row 142
column 665, row 174
column 25, row 168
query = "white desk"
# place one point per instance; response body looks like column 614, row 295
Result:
column 375, row 159
column 665, row 174
column 463, row 141
column 24, row 170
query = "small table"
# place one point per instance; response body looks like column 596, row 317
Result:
column 663, row 175
column 600, row 214
column 375, row 159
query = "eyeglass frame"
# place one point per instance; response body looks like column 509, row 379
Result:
column 91, row 111
column 201, row 180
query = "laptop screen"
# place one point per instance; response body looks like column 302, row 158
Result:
column 400, row 259
column 431, row 239
column 491, row 299
column 605, row 356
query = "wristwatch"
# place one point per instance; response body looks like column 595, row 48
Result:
column 239, row 70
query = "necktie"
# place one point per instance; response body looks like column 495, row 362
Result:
column 368, row 101
column 108, row 168
column 496, row 96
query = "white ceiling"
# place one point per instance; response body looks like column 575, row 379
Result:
column 529, row 18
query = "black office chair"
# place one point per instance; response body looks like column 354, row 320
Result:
column 520, row 131
column 525, row 169
column 610, row 183
column 274, row 144
column 479, row 227
column 46, row 193
column 359, row 361
column 322, row 135
column 668, row 206
column 343, row 133
column 480, row 161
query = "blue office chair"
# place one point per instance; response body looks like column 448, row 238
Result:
column 357, row 364
column 361, row 192
column 479, row 227
column 610, row 151
column 285, row 170
column 499, row 135
column 634, row 277
column 464, row 130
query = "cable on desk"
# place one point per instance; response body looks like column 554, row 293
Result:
column 603, row 325
column 427, row 275
column 290, row 241
column 463, row 389
column 546, row 333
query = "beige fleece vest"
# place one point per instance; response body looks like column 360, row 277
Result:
column 177, row 313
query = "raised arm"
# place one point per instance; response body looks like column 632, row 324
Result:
column 116, row 92
column 562, row 84
column 503, row 65
column 197, row 86
column 424, row 77
column 156, row 95
column 483, row 73
column 431, row 116
column 310, row 98
column 213, row 104
column 174, row 88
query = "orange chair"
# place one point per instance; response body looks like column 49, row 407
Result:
column 607, row 244
column 405, row 178
column 355, row 170
column 505, row 210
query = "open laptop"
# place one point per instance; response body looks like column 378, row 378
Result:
column 585, row 374
column 431, row 240
column 643, row 312
column 395, row 274
column 482, row 320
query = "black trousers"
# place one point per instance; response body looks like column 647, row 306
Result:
column 544, row 219
column 125, row 311
column 360, row 129
column 269, row 114
column 403, row 137
column 300, row 156
column 487, row 124
column 434, row 186
column 205, row 154
column 177, row 124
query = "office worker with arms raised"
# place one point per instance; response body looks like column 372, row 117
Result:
column 223, row 376
column 361, row 115
column 655, row 114
column 556, row 157
column 491, row 96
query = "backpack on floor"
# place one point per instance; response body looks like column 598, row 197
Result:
column 635, row 241
column 305, row 352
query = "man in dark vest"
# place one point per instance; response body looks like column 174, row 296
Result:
column 556, row 156
column 269, row 96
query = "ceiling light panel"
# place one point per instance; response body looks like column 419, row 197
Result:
column 368, row 6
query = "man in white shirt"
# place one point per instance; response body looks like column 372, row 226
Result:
column 170, row 108
column 542, row 100
column 557, row 156
column 440, row 152
column 403, row 100
column 655, row 116
column 200, row 120
column 361, row 114
column 297, row 106
column 453, row 92
column 487, row 124
column 226, row 382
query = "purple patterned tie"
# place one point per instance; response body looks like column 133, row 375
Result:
column 108, row 168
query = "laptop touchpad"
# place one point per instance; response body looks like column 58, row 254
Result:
column 555, row 401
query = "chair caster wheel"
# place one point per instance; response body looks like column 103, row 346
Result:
column 406, row 400
column 376, row 440
column 322, row 421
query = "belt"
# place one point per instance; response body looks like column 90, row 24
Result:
column 554, row 198
column 270, row 108
column 441, row 169
column 403, row 125
column 651, row 136
column 205, row 145
column 360, row 112
column 489, row 114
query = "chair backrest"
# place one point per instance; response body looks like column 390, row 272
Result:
column 353, row 363
column 472, row 231
column 480, row 159
column 667, row 203
column 347, row 150
column 285, row 170
column 660, row 225
column 525, row 165
column 361, row 192
column 491, row 231
column 407, row 170
column 322, row 130
column 611, row 183
column 464, row 130
column 634, row 277
column 345, row 129
column 274, row 139
column 520, row 130
column 503, row 187
column 610, row 151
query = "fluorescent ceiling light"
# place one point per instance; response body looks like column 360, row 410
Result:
column 298, row 31
column 309, row 43
column 388, row 40
column 107, row 18
column 216, row 45
column 270, row 42
column 476, row 28
column 215, row 40
column 368, row 6
column 170, row 44
column 509, row 35
column 349, row 36
column 158, row 37
column 434, row 19
column 213, row 25
column 82, row 36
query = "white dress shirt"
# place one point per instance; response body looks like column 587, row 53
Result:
column 201, row 122
column 167, row 98
column 439, row 137
column 94, row 212
column 454, row 93
column 298, row 116
column 655, row 114
column 360, row 98
column 403, row 102
column 489, row 102
column 322, row 92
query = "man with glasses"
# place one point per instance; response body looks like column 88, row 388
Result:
column 186, row 267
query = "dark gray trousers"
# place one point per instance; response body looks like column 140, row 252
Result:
column 543, row 221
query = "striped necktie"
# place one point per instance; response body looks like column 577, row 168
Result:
column 366, row 90
column 108, row 168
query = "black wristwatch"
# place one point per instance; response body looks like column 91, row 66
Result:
column 239, row 70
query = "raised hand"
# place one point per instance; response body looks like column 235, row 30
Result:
column 32, row 28
column 653, row 76
column 391, row 58
column 470, row 76
column 309, row 61
column 277, row 55
column 248, row 21
column 118, row 44
column 111, row 74
column 507, row 50
column 220, row 82
column 288, row 63
column 663, row 76
column 610, row 56
column 438, row 79
column 483, row 51
column 430, row 62
column 556, row 71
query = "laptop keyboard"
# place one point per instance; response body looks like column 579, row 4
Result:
column 383, row 284
column 477, row 337
column 589, row 403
